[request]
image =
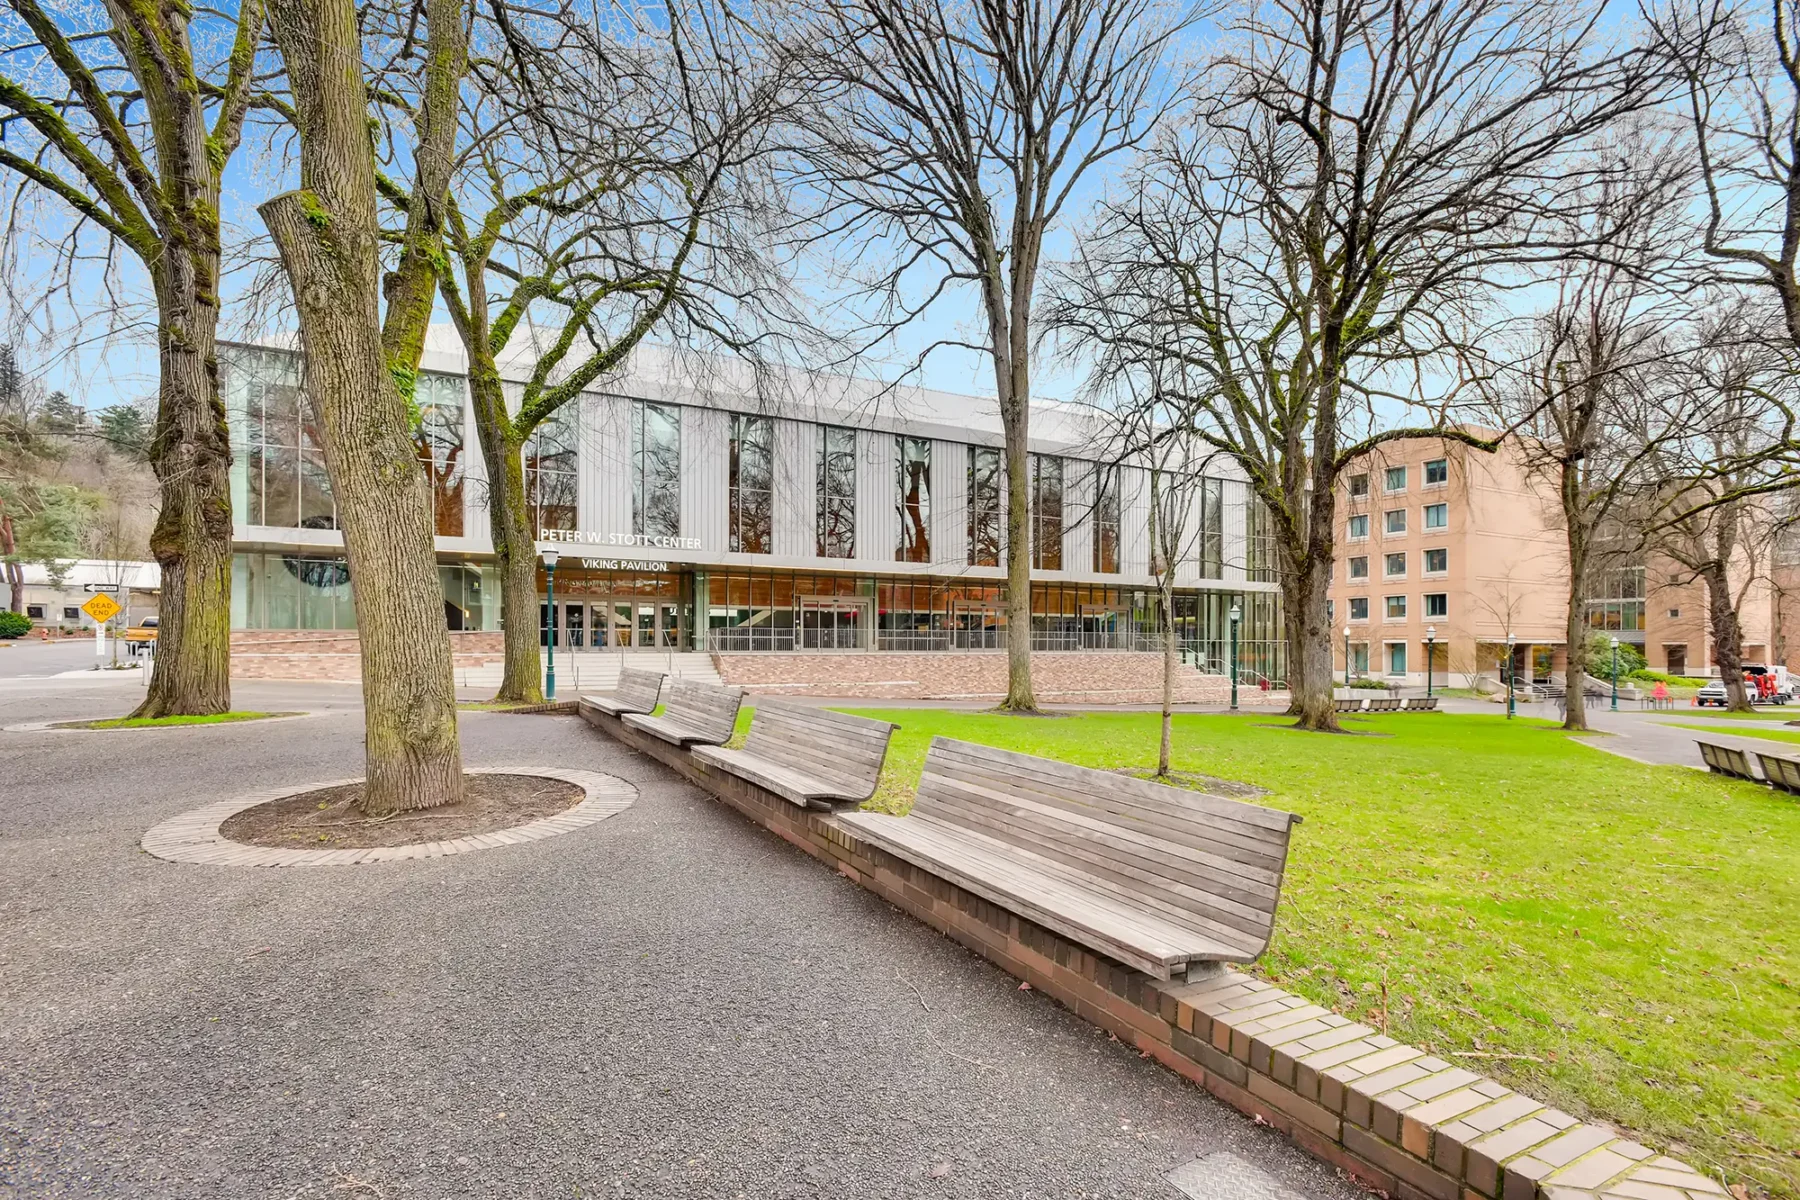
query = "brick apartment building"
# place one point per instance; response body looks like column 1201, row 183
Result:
column 1449, row 551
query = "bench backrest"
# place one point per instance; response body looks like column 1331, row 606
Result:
column 1345, row 706
column 843, row 750
column 705, row 708
column 1205, row 862
column 639, row 688
column 1727, row 760
column 1783, row 773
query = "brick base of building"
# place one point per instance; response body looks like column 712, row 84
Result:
column 1086, row 677
column 335, row 655
column 1392, row 1116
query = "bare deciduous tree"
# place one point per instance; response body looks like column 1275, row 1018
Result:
column 1312, row 248
column 956, row 137
column 125, row 116
column 360, row 368
column 616, row 179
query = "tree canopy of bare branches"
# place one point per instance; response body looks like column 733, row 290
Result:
column 116, row 123
column 950, row 141
column 1308, row 256
column 615, row 181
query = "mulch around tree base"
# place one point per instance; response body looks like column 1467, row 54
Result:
column 328, row 818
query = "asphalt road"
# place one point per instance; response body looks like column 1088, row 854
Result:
column 30, row 657
column 670, row 1003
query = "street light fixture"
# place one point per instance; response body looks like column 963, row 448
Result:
column 1615, row 673
column 1346, row 658
column 1236, row 614
column 1511, row 673
column 1430, row 656
column 549, row 557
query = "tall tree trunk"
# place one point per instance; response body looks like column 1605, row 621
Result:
column 1576, row 628
column 326, row 233
column 191, row 455
column 191, row 449
column 15, row 575
column 515, row 541
column 1728, row 636
column 1310, row 676
column 1168, row 680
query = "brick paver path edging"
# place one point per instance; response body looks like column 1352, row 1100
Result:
column 193, row 837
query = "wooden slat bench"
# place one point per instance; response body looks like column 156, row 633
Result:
column 1781, row 772
column 810, row 756
column 696, row 712
column 1156, row 877
column 1386, row 705
column 1350, row 706
column 1727, row 760
column 637, row 693
column 1418, row 704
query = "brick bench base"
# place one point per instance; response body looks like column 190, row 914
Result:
column 1392, row 1116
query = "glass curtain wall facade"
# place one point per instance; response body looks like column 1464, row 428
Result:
column 1106, row 520
column 837, row 492
column 440, row 441
column 551, row 479
column 655, row 469
column 986, row 503
column 914, row 500
column 1046, row 512
column 752, row 485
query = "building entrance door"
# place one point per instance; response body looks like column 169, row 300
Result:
column 636, row 623
column 834, row 622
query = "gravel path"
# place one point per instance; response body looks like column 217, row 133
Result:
column 671, row 1003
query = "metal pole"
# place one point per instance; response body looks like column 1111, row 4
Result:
column 1615, row 679
column 1510, row 674
column 1430, row 657
column 1234, row 658
column 550, row 636
column 1346, row 658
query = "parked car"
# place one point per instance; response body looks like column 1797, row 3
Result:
column 1713, row 694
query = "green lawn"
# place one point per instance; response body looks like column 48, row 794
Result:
column 167, row 722
column 1616, row 939
column 1755, row 731
column 1786, row 712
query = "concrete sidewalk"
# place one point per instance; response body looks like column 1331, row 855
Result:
column 671, row 1003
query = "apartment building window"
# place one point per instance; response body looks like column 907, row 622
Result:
column 1395, row 565
column 1396, row 479
column 438, row 437
column 1437, row 471
column 1674, row 614
column 71, row 612
column 1394, row 520
column 1046, row 512
column 1359, row 486
column 1359, row 608
column 1616, row 601
column 752, row 484
column 984, row 506
column 35, row 611
column 1437, row 516
column 1359, row 567
column 1437, row 604
column 1106, row 521
column 1359, row 526
column 1331, row 612
column 1396, row 608
column 914, row 500
column 1396, row 658
column 837, row 492
column 1359, row 659
column 551, row 485
column 655, row 469
column 1437, row 561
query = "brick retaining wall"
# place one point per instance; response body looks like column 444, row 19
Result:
column 1394, row 1117
column 335, row 655
column 1085, row 677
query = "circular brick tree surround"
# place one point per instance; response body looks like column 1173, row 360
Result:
column 194, row 837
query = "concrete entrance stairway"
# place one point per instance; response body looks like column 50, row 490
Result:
column 579, row 671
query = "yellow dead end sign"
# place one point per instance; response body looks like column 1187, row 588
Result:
column 102, row 608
